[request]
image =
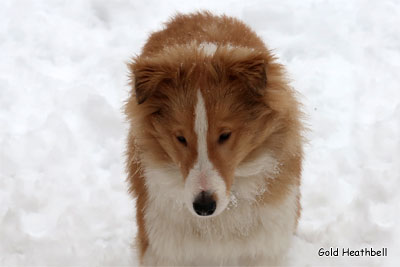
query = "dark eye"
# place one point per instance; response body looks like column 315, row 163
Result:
column 223, row 137
column 181, row 140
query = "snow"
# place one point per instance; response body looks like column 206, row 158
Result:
column 63, row 80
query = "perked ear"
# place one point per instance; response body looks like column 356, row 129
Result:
column 251, row 71
column 146, row 77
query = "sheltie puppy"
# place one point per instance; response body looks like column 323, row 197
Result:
column 215, row 146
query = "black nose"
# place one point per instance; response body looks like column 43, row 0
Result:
column 204, row 204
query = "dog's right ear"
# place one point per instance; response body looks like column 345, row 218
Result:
column 145, row 79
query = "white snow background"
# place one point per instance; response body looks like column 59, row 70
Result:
column 63, row 81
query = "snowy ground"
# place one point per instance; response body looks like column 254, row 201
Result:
column 63, row 80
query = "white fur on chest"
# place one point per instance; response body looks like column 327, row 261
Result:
column 244, row 234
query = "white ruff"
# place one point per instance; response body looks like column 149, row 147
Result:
column 243, row 234
column 264, row 164
column 246, row 234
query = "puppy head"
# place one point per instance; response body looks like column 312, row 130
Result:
column 204, row 114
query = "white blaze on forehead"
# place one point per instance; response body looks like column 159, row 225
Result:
column 201, row 128
column 203, row 176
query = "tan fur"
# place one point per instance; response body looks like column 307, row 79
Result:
column 245, row 92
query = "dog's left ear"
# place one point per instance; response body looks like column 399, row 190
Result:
column 252, row 72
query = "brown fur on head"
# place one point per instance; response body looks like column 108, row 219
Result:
column 243, row 91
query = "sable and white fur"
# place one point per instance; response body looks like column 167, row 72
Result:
column 203, row 76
